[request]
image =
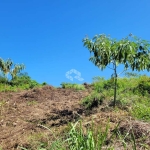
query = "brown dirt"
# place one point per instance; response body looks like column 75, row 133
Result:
column 25, row 113
column 22, row 112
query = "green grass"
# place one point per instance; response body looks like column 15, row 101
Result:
column 141, row 111
column 92, row 139
column 72, row 86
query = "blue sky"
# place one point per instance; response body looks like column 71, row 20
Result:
column 47, row 35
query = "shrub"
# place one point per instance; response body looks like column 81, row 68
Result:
column 101, row 84
column 93, row 100
column 44, row 83
column 3, row 80
column 109, row 84
column 24, row 81
column 98, row 84
column 143, row 85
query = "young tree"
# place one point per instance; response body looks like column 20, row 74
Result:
column 7, row 67
column 17, row 68
column 131, row 51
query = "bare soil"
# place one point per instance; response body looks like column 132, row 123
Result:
column 23, row 114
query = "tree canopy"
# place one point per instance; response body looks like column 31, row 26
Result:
column 8, row 67
column 131, row 51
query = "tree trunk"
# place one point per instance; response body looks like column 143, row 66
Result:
column 115, row 83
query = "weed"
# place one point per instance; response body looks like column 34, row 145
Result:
column 77, row 139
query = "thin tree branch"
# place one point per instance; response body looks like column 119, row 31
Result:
column 113, row 65
column 122, row 71
column 110, row 68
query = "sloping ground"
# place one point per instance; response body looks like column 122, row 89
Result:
column 24, row 114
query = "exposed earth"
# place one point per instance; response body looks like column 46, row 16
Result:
column 26, row 113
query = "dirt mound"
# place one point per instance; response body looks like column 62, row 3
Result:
column 137, row 127
column 38, row 93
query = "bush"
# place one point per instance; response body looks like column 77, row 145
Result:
column 3, row 80
column 93, row 100
column 24, row 81
column 143, row 85
column 44, row 83
column 109, row 84
column 101, row 84
column 98, row 84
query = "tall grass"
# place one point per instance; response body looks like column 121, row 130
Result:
column 92, row 139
